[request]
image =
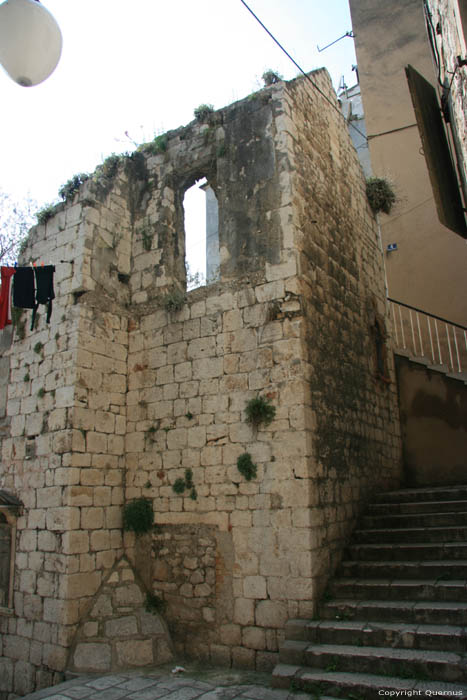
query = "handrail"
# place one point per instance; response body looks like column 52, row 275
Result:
column 427, row 313
column 422, row 337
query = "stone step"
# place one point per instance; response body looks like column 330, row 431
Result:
column 360, row 685
column 384, row 589
column 441, row 570
column 385, row 661
column 410, row 612
column 391, row 634
column 411, row 551
column 416, row 534
column 396, row 612
column 409, row 520
column 431, row 493
column 417, row 507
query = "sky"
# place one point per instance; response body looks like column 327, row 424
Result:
column 132, row 70
column 140, row 67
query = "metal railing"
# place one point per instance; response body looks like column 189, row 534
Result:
column 431, row 337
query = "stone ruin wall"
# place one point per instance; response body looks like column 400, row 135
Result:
column 134, row 394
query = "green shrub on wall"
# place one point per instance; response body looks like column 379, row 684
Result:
column 381, row 195
column 246, row 466
column 138, row 516
column 260, row 410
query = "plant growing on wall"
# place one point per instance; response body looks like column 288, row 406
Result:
column 246, row 466
column 156, row 146
column 260, row 410
column 380, row 194
column 155, row 604
column 270, row 77
column 181, row 485
column 203, row 112
column 174, row 301
column 104, row 174
column 146, row 236
column 71, row 187
column 46, row 213
column 138, row 516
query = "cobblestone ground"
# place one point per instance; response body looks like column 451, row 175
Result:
column 191, row 684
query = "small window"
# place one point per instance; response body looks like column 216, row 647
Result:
column 10, row 507
column 380, row 352
column 201, row 235
column 6, row 563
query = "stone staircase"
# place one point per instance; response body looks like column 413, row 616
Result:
column 393, row 621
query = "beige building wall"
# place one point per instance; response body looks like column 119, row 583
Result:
column 451, row 18
column 428, row 268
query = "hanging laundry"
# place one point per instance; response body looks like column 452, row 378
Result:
column 23, row 288
column 33, row 286
column 45, row 287
column 5, row 296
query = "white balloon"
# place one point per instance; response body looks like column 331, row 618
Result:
column 30, row 41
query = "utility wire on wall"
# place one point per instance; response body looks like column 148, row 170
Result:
column 316, row 87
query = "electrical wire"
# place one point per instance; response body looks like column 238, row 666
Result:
column 316, row 87
column 392, row 131
column 432, row 39
column 408, row 211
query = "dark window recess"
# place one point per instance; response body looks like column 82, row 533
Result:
column 441, row 170
column 5, row 558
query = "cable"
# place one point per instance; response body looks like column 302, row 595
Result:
column 392, row 131
column 302, row 71
column 408, row 211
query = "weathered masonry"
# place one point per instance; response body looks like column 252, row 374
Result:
column 134, row 382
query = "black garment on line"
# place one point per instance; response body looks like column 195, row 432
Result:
column 33, row 286
column 23, row 288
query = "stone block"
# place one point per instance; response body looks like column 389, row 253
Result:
column 244, row 611
column 80, row 585
column 230, row 635
column 220, row 655
column 271, row 613
column 151, row 624
column 6, row 674
column 92, row 657
column 135, row 652
column 24, row 678
column 243, row 657
column 100, row 539
column 253, row 638
column 92, row 518
column 208, row 368
column 254, row 587
column 128, row 595
column 65, row 518
column 121, row 626
column 102, row 607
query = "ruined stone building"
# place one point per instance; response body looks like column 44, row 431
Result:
column 137, row 389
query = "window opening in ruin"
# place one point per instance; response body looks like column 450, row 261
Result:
column 201, row 235
column 380, row 351
column 5, row 562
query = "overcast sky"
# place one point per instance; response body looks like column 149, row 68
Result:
column 142, row 66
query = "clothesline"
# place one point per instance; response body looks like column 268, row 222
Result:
column 42, row 264
column 32, row 286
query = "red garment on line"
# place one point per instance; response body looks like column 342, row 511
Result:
column 5, row 296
